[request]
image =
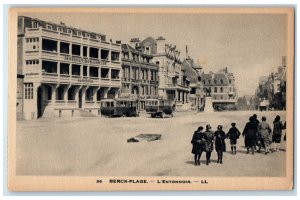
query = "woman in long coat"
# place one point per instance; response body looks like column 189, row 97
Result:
column 249, row 133
column 220, row 143
column 277, row 132
column 209, row 142
column 265, row 132
column 198, row 145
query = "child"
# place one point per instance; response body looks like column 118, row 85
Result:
column 233, row 134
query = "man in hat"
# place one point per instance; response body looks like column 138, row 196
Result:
column 220, row 143
column 209, row 139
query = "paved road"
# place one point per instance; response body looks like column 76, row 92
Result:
column 98, row 146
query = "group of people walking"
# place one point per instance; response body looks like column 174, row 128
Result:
column 256, row 134
column 259, row 134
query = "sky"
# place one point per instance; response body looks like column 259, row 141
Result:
column 249, row 45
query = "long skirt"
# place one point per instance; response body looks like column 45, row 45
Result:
column 250, row 140
column 276, row 138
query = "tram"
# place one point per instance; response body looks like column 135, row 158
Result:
column 159, row 107
column 118, row 108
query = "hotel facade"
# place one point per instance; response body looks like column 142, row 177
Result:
column 221, row 87
column 173, row 84
column 139, row 75
column 64, row 71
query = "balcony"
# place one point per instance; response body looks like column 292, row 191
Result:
column 49, row 77
column 64, row 77
column 115, row 65
column 49, row 55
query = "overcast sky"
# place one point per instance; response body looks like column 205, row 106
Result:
column 250, row 45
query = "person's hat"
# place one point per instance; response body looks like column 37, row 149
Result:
column 200, row 128
column 208, row 126
column 220, row 127
column 233, row 124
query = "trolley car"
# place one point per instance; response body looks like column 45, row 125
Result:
column 159, row 107
column 118, row 108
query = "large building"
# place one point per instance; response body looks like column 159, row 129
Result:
column 64, row 70
column 273, row 87
column 221, row 87
column 139, row 75
column 194, row 72
column 173, row 85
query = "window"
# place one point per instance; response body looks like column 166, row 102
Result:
column 84, row 51
column 221, row 89
column 34, row 24
column 115, row 56
column 49, row 45
column 64, row 47
column 28, row 90
column 229, row 81
column 208, row 81
column 216, row 89
column 115, row 74
column 76, row 49
column 221, row 81
column 49, row 27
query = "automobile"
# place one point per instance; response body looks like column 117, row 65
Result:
column 159, row 107
column 264, row 105
column 118, row 107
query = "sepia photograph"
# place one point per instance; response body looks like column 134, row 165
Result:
column 106, row 99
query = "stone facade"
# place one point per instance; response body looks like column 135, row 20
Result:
column 173, row 84
column 273, row 88
column 139, row 75
column 66, row 70
column 221, row 87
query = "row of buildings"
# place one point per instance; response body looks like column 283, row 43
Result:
column 272, row 88
column 64, row 71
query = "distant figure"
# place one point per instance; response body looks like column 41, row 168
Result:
column 249, row 133
column 209, row 145
column 277, row 133
column 198, row 144
column 265, row 132
column 233, row 134
column 220, row 143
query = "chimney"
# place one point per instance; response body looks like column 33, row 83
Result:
column 160, row 42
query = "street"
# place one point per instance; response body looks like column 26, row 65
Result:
column 97, row 146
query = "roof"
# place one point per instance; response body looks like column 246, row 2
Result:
column 129, row 48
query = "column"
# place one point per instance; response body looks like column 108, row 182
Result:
column 66, row 89
column 77, row 88
column 70, row 48
column 84, row 88
column 58, row 48
column 53, row 93
column 88, row 51
column 58, row 68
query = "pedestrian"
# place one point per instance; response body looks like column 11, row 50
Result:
column 277, row 133
column 220, row 143
column 198, row 144
column 249, row 133
column 233, row 134
column 265, row 133
column 209, row 145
